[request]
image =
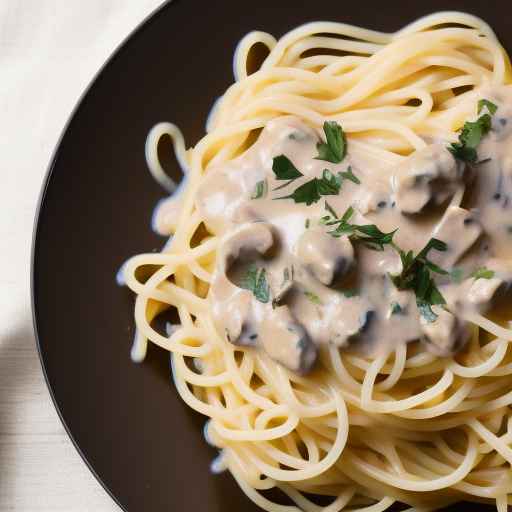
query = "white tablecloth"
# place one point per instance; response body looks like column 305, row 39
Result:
column 49, row 51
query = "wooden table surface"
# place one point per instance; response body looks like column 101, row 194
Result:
column 49, row 51
column 41, row 470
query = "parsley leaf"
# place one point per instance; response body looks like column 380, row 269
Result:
column 331, row 218
column 335, row 149
column 416, row 270
column 483, row 273
column 349, row 175
column 491, row 107
column 472, row 133
column 433, row 243
column 311, row 191
column 329, row 184
column 396, row 309
column 260, row 190
column 426, row 311
column 288, row 273
column 416, row 276
column 307, row 193
column 461, row 152
column 349, row 292
column 369, row 234
column 313, row 297
column 255, row 280
column 284, row 169
column 348, row 213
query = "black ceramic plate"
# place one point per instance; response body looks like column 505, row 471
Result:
column 144, row 445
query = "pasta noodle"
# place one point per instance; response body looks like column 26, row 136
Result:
column 407, row 426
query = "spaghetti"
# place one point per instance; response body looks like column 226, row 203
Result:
column 405, row 426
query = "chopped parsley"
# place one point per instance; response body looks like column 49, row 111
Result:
column 426, row 311
column 307, row 193
column 396, row 309
column 288, row 273
column 472, row 133
column 255, row 280
column 335, row 147
column 334, row 151
column 369, row 234
column 349, row 292
column 284, row 169
column 260, row 190
column 483, row 273
column 313, row 297
column 416, row 276
column 307, row 223
column 416, row 270
column 311, row 191
column 489, row 105
column 349, row 175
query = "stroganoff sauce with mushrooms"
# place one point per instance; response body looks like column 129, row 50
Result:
column 322, row 243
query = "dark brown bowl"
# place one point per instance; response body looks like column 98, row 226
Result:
column 143, row 444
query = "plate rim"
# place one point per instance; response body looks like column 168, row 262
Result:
column 45, row 183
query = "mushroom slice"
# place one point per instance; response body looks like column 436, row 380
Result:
column 235, row 317
column 428, row 175
column 249, row 237
column 445, row 335
column 459, row 229
column 287, row 284
column 286, row 341
column 348, row 320
column 233, row 308
column 484, row 290
column 325, row 257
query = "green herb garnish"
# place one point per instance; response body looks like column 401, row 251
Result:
column 369, row 234
column 313, row 297
column 307, row 223
column 461, row 152
column 284, row 169
column 335, row 147
column 426, row 311
column 311, row 191
column 288, row 273
column 349, row 292
column 483, row 273
column 307, row 193
column 396, row 309
column 416, row 270
column 472, row 134
column 491, row 107
column 416, row 276
column 255, row 280
column 349, row 175
column 334, row 151
column 260, row 190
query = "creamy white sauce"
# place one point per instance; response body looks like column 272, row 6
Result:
column 167, row 212
column 309, row 271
